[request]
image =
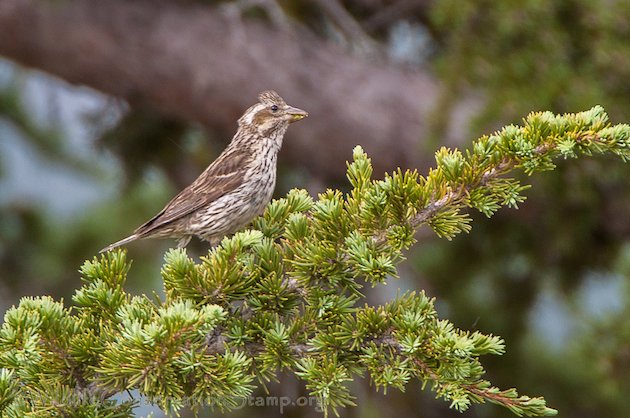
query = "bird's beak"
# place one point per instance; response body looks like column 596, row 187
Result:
column 296, row 114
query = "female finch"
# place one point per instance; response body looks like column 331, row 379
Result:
column 235, row 188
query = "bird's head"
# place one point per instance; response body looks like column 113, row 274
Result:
column 271, row 114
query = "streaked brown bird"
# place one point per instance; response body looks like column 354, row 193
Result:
column 235, row 188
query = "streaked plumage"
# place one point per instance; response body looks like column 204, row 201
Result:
column 235, row 188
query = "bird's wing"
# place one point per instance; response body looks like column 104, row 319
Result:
column 224, row 175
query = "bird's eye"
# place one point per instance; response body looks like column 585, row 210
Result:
column 274, row 108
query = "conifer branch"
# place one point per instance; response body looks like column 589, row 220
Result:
column 286, row 295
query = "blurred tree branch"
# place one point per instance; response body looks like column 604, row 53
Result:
column 200, row 64
column 45, row 139
column 384, row 16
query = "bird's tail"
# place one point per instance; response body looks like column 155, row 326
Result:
column 121, row 242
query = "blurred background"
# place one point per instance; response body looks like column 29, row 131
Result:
column 107, row 109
